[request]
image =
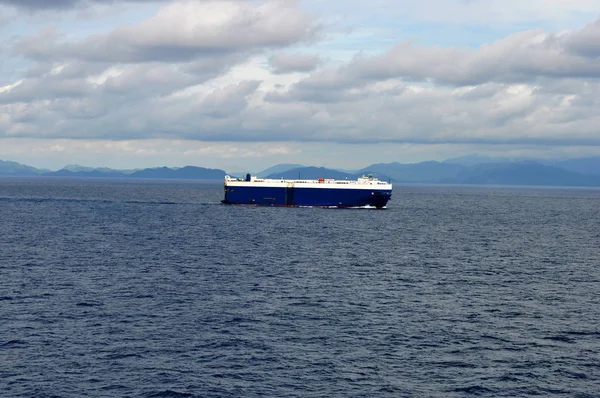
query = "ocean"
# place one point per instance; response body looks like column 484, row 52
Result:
column 132, row 288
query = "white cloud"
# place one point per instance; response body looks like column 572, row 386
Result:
column 182, row 31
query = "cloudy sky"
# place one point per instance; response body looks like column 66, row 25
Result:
column 242, row 85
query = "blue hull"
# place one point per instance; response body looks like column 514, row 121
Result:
column 321, row 197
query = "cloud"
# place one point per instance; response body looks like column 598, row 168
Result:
column 106, row 83
column 585, row 42
column 246, row 72
column 41, row 89
column 530, row 57
column 228, row 100
column 181, row 32
column 286, row 63
column 65, row 4
column 114, row 80
column 493, row 113
column 520, row 57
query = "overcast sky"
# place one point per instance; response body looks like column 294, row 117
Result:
column 242, row 85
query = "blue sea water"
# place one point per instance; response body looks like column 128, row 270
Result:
column 155, row 289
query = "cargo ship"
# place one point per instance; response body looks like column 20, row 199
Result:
column 366, row 191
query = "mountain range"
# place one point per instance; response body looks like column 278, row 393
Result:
column 471, row 169
column 188, row 172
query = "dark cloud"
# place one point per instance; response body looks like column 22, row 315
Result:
column 228, row 100
column 210, row 67
column 585, row 42
column 324, row 85
column 147, row 80
column 71, row 70
column 481, row 91
column 41, row 4
column 285, row 63
column 31, row 90
column 66, row 4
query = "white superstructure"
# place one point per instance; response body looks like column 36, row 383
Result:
column 364, row 182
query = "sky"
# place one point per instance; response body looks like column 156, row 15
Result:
column 243, row 85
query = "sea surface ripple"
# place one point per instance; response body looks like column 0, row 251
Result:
column 155, row 289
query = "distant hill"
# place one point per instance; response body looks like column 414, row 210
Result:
column 313, row 173
column 278, row 168
column 589, row 165
column 572, row 172
column 78, row 168
column 527, row 173
column 8, row 168
column 430, row 172
column 473, row 160
column 506, row 173
column 187, row 173
column 91, row 173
